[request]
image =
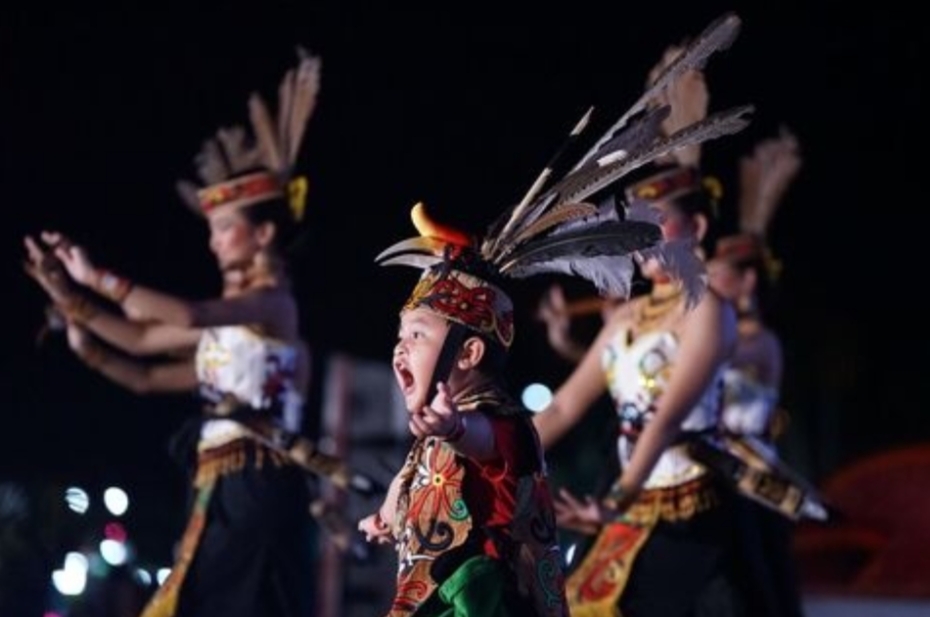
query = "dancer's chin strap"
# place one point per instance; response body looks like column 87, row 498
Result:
column 455, row 336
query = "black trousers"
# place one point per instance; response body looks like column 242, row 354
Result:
column 689, row 569
column 256, row 556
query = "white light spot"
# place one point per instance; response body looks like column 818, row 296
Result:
column 116, row 500
column 162, row 574
column 113, row 552
column 77, row 499
column 71, row 579
column 143, row 576
column 536, row 397
column 570, row 554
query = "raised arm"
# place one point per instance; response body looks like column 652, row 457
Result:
column 272, row 308
column 134, row 337
column 579, row 392
column 136, row 376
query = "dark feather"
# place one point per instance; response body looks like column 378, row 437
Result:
column 503, row 228
column 579, row 185
column 640, row 134
column 610, row 274
column 565, row 214
column 637, row 146
column 613, row 238
column 635, row 138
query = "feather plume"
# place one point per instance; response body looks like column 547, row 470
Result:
column 188, row 192
column 688, row 99
column 764, row 178
column 306, row 89
column 544, row 233
column 239, row 155
column 578, row 186
column 556, row 216
column 611, row 238
column 504, row 224
column 211, row 163
column 610, row 274
column 638, row 136
column 285, row 105
column 265, row 134
column 645, row 140
column 719, row 35
column 274, row 140
column 555, row 228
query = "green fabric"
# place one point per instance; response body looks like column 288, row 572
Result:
column 475, row 589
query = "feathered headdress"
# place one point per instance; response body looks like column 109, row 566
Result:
column 239, row 168
column 764, row 178
column 558, row 227
column 678, row 172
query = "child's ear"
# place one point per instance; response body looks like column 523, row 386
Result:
column 473, row 350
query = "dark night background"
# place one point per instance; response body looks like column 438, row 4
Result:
column 458, row 105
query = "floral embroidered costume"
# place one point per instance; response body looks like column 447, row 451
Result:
column 478, row 537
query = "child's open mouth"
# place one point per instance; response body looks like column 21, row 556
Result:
column 404, row 379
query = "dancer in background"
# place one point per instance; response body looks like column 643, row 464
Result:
column 663, row 532
column 742, row 271
column 248, row 546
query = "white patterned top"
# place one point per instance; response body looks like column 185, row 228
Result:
column 236, row 363
column 637, row 373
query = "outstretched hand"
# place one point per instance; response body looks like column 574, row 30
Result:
column 375, row 529
column 74, row 257
column 47, row 270
column 585, row 516
column 553, row 311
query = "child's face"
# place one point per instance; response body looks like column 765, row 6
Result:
column 419, row 341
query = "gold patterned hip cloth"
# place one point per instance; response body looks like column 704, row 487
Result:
column 595, row 586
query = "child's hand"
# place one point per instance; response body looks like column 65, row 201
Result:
column 440, row 418
column 375, row 529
